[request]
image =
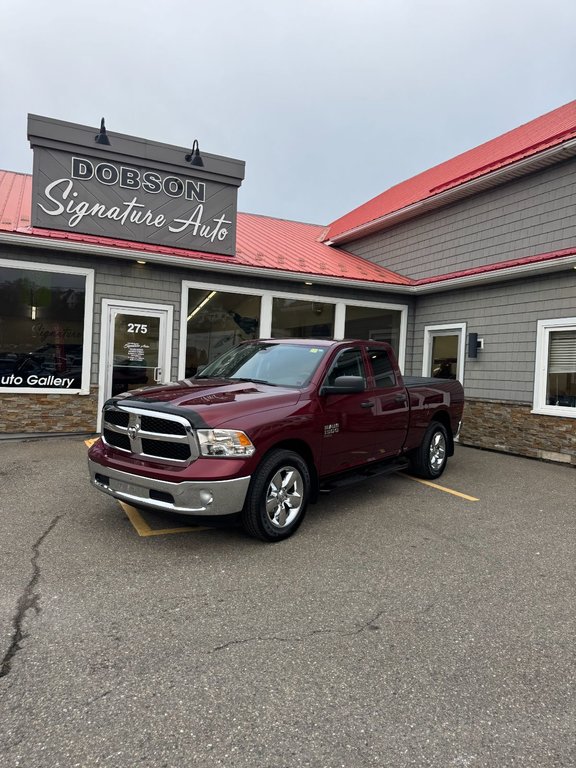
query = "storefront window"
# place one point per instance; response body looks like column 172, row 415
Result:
column 42, row 316
column 373, row 323
column 216, row 322
column 297, row 319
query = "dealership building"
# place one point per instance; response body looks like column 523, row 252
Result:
column 124, row 262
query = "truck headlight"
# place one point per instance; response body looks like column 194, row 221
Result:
column 224, row 442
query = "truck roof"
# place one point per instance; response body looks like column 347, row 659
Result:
column 316, row 342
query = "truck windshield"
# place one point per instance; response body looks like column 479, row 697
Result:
column 285, row 365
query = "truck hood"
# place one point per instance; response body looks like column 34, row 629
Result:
column 207, row 402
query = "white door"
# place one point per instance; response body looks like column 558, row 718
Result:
column 136, row 346
column 444, row 349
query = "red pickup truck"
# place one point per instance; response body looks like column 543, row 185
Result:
column 258, row 432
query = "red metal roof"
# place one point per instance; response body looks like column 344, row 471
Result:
column 290, row 245
column 15, row 201
column 544, row 132
column 262, row 242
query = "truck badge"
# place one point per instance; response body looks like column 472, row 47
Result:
column 331, row 429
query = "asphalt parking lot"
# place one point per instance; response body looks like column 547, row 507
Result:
column 403, row 625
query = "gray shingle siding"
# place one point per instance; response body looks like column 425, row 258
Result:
column 505, row 316
column 532, row 215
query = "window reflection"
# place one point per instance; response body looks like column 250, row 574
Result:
column 373, row 323
column 444, row 364
column 303, row 319
column 216, row 322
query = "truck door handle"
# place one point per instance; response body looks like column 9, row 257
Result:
column 367, row 404
column 400, row 399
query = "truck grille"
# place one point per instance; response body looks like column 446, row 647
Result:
column 167, row 437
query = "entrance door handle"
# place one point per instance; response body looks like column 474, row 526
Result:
column 367, row 404
column 158, row 375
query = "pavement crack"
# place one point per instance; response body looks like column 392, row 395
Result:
column 369, row 624
column 29, row 600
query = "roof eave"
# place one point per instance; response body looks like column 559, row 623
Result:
column 515, row 170
column 498, row 274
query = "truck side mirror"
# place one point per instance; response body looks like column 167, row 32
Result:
column 344, row 385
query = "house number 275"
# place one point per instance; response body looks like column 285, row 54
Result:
column 137, row 327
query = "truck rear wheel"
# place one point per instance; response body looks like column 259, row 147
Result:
column 429, row 460
column 277, row 497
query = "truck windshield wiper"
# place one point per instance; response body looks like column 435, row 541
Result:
column 256, row 381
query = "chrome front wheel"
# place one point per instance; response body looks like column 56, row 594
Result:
column 285, row 496
column 277, row 497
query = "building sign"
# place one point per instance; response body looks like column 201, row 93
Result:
column 132, row 189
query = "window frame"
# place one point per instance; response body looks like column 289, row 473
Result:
column 544, row 329
column 402, row 308
column 88, row 321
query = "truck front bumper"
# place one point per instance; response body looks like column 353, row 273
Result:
column 190, row 497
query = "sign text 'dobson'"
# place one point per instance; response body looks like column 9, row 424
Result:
column 129, row 177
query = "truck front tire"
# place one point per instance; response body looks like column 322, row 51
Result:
column 277, row 497
column 429, row 460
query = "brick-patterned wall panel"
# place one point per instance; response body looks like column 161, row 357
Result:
column 511, row 428
column 31, row 413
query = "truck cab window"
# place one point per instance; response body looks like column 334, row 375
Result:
column 382, row 368
column 348, row 363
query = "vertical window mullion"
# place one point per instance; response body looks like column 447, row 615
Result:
column 339, row 320
column 266, row 316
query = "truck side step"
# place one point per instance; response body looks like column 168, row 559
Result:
column 365, row 473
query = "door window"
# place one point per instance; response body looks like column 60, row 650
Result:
column 444, row 364
column 444, row 351
column 135, row 352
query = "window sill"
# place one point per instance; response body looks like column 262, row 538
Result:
column 555, row 410
column 41, row 391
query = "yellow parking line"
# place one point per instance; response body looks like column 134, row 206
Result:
column 441, row 488
column 143, row 529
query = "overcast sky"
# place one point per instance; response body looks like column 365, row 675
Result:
column 329, row 102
